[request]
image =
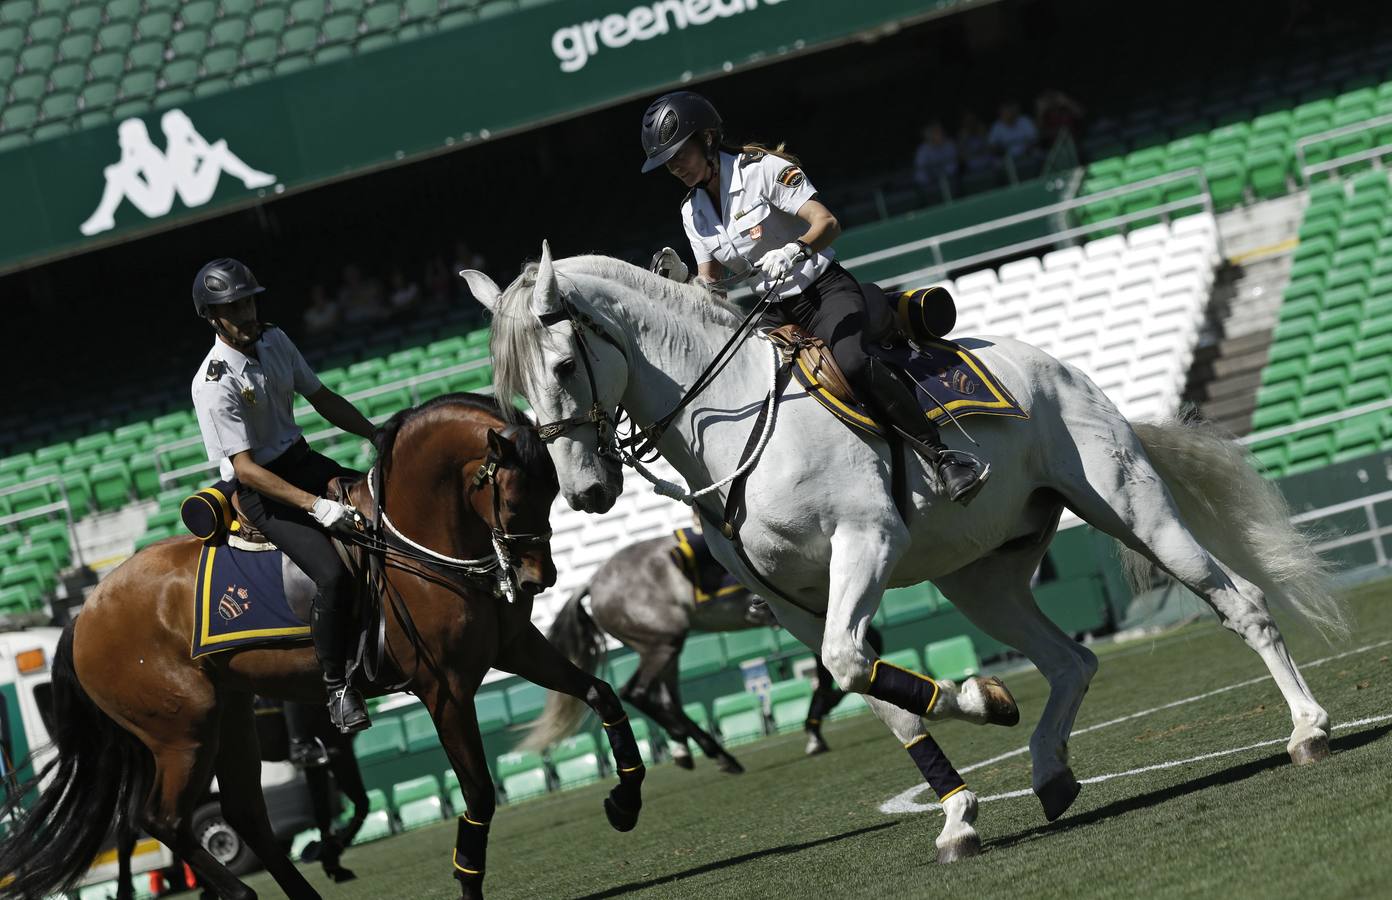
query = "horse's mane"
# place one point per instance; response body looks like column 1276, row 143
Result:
column 516, row 342
column 529, row 446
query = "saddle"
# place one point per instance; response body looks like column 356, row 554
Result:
column 905, row 331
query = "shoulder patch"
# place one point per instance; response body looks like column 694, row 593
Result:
column 791, row 176
column 752, row 156
column 216, row 369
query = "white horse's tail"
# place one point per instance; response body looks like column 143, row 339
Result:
column 1239, row 517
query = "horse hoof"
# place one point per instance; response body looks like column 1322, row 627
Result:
column 1310, row 750
column 815, row 745
column 729, row 765
column 1001, row 708
column 340, row 875
column 1058, row 793
column 962, row 848
column 620, row 819
column 684, row 762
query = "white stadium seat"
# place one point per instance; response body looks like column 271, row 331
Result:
column 1020, row 270
column 1067, row 258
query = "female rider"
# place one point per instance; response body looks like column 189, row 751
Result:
column 749, row 203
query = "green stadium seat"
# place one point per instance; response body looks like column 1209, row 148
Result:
column 302, row 11
column 28, row 88
column 220, row 61
column 331, row 53
column 420, row 731
column 384, row 740
column 39, row 57
column 419, row 10
column 17, row 599
column 260, row 50
column 31, row 497
column 27, row 577
column 357, row 384
column 238, row 8
column 953, row 658
column 340, row 29
column 140, row 84
column 575, row 761
column 697, row 713
column 525, row 702
column 492, row 711
column 1266, row 168
column 198, row 13
column 749, row 644
column 788, row 703
column 191, row 42
column 740, row 718
column 56, row 535
column 702, row 655
column 153, row 536
column 1310, row 452
column 179, row 73
column 42, row 556
column 904, row 659
column 522, row 774
column 299, row 40
column 454, row 795
column 228, row 33
column 155, row 26
column 51, row 453
column 45, row 29
column 378, row 823
column 1226, row 179
column 18, row 11
column 84, row 18
column 474, row 381
column 1273, row 416
column 418, row 802
column 16, row 463
column 381, row 17
column 908, row 604
column 133, row 104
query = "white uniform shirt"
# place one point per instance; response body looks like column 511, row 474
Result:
column 246, row 404
column 760, row 196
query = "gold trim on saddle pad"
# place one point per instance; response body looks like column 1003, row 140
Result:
column 692, row 570
column 998, row 401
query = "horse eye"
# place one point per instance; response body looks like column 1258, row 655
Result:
column 565, row 367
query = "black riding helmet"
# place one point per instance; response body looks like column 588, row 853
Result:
column 220, row 282
column 670, row 120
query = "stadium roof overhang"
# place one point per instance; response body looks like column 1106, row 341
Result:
column 537, row 65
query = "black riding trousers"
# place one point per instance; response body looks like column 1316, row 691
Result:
column 293, row 531
column 833, row 309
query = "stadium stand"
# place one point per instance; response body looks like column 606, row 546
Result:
column 418, row 802
column 522, row 775
column 1332, row 349
column 739, row 718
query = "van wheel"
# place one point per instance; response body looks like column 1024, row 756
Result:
column 220, row 839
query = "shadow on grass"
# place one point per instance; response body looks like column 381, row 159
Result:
column 737, row 860
column 1230, row 775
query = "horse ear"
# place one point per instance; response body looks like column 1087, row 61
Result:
column 546, row 295
column 482, row 287
column 499, row 447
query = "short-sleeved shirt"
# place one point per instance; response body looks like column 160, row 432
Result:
column 760, row 196
column 246, row 403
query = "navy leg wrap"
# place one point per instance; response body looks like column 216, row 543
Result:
column 932, row 762
column 470, row 849
column 624, row 746
column 906, row 690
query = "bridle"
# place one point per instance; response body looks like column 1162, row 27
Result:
column 499, row 568
column 639, row 444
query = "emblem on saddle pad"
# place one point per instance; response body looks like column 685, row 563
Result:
column 228, row 607
column 960, row 382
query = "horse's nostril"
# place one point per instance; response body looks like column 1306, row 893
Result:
column 531, row 588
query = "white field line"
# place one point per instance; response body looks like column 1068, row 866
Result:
column 1019, row 751
column 905, row 802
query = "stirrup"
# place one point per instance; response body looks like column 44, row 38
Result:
column 348, row 719
column 965, row 460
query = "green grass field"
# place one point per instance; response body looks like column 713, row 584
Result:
column 1244, row 824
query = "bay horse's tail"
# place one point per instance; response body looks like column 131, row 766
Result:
column 1238, row 516
column 579, row 640
column 99, row 777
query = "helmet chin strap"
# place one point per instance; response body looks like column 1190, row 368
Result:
column 712, row 162
column 240, row 346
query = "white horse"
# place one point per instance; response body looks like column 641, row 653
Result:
column 822, row 535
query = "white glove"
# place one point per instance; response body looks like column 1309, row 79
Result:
column 333, row 515
column 668, row 263
column 777, row 263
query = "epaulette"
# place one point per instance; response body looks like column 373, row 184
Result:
column 216, row 369
column 751, row 156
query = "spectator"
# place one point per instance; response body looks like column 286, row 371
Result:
column 1013, row 134
column 360, row 297
column 440, row 286
column 973, row 148
column 935, row 161
column 405, row 295
column 1057, row 114
column 323, row 314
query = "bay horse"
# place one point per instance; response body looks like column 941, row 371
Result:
column 643, row 597
column 141, row 725
column 815, row 529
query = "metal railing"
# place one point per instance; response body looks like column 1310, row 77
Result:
column 45, row 510
column 1330, row 165
column 1374, row 533
column 1317, row 422
column 1202, row 200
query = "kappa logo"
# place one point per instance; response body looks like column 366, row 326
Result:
column 149, row 178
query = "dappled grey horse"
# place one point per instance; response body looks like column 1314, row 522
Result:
column 650, row 595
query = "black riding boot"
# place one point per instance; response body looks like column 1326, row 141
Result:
column 347, row 710
column 961, row 473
